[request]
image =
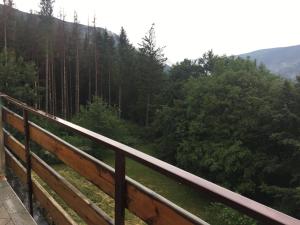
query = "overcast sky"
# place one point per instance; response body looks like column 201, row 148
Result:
column 188, row 28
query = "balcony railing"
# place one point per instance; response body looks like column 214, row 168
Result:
column 127, row 193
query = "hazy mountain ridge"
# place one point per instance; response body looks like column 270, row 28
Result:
column 284, row 61
column 68, row 25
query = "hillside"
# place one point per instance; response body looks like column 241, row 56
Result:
column 23, row 16
column 284, row 61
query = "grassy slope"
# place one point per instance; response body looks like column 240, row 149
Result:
column 172, row 190
column 178, row 193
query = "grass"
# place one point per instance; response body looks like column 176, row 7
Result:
column 102, row 200
column 170, row 189
column 174, row 191
column 178, row 193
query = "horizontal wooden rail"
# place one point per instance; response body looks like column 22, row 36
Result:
column 87, row 210
column 241, row 203
column 146, row 204
column 54, row 210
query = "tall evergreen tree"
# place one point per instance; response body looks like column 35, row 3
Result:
column 125, row 66
column 77, row 70
column 95, row 56
column 7, row 20
column 46, row 12
column 152, row 63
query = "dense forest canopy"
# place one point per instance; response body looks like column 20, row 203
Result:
column 223, row 118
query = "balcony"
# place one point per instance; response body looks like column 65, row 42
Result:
column 127, row 193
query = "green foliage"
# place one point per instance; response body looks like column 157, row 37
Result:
column 223, row 118
column 46, row 7
column 150, row 68
column 228, row 216
column 18, row 78
column 235, row 124
column 99, row 117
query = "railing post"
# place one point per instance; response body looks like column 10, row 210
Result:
column 120, row 188
column 2, row 153
column 28, row 159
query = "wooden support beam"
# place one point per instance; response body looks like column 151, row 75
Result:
column 54, row 211
column 2, row 152
column 120, row 189
column 243, row 204
column 87, row 210
column 144, row 203
column 28, row 161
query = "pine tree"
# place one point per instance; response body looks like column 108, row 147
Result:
column 110, row 67
column 152, row 68
column 95, row 56
column 65, row 86
column 46, row 12
column 77, row 42
column 124, row 53
column 89, row 63
column 7, row 17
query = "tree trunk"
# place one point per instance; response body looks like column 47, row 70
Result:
column 109, row 88
column 47, row 80
column 36, row 94
column 120, row 101
column 50, row 88
column 62, row 85
column 53, row 89
column 96, row 73
column 90, row 84
column 147, row 110
column 70, row 91
column 65, row 92
column 77, row 94
column 38, row 88
column 5, row 40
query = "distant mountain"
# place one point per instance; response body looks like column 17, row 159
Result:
column 23, row 16
column 284, row 61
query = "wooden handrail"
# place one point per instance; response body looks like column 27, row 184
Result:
column 55, row 211
column 239, row 202
column 141, row 201
column 87, row 210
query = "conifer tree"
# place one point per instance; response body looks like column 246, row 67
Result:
column 7, row 17
column 95, row 56
column 61, row 48
column 46, row 12
column 151, row 68
column 124, row 53
column 65, row 86
column 89, row 63
column 77, row 42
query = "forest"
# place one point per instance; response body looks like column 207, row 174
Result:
column 224, row 118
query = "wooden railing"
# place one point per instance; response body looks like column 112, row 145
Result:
column 141, row 201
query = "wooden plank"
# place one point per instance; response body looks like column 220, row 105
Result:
column 54, row 211
column 14, row 145
column 73, row 197
column 13, row 119
column 87, row 166
column 28, row 161
column 120, row 188
column 57, row 214
column 243, row 204
column 16, row 166
column 144, row 203
column 86, row 209
column 2, row 152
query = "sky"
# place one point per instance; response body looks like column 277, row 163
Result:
column 189, row 28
